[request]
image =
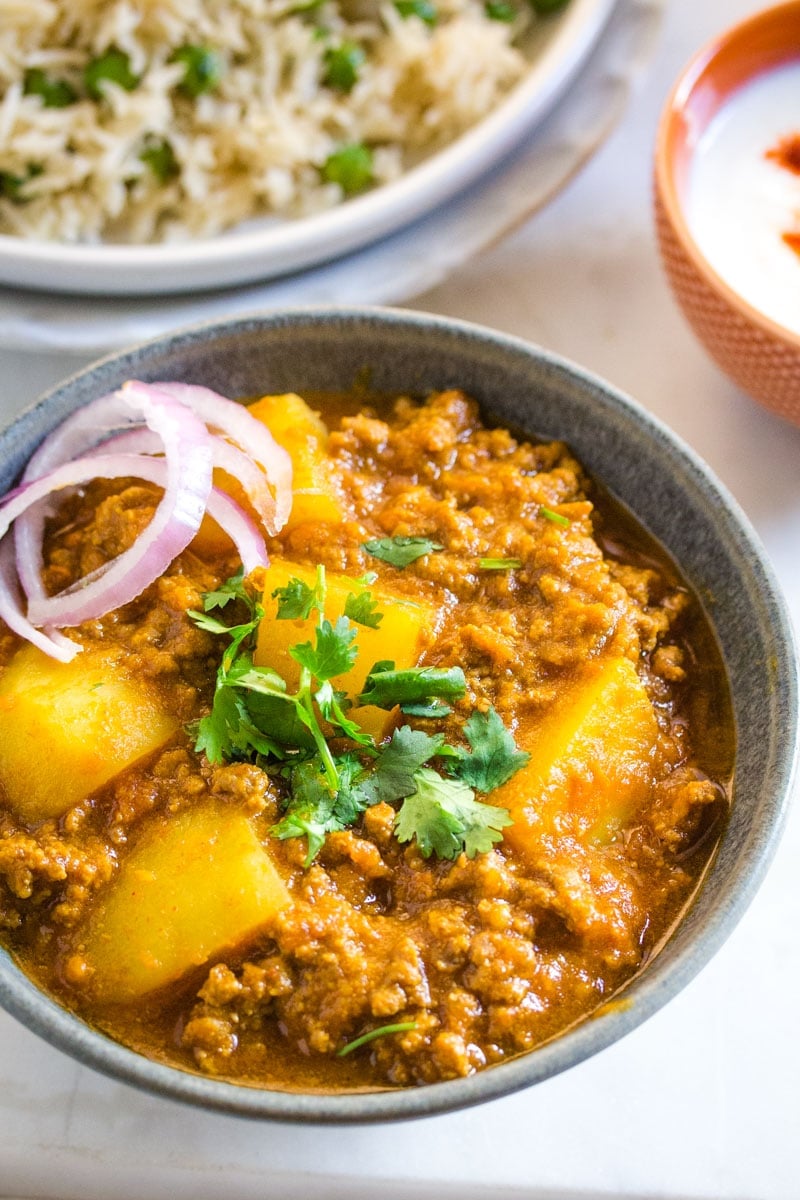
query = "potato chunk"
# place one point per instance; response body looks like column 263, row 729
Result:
column 68, row 728
column 406, row 630
column 302, row 433
column 590, row 765
column 187, row 891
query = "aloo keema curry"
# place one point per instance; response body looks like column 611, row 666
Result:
column 411, row 799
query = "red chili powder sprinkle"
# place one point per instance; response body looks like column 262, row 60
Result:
column 787, row 153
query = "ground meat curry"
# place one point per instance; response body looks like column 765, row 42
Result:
column 144, row 885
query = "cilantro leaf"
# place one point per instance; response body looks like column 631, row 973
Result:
column 310, row 811
column 398, row 763
column 297, row 600
column 363, row 609
column 400, row 551
column 333, row 654
column 385, row 686
column 445, row 818
column 231, row 589
column 333, row 705
column 494, row 756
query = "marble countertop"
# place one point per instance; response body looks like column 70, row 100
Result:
column 703, row 1100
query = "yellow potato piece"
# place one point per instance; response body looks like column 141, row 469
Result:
column 407, row 629
column 590, row 765
column 187, row 891
column 302, row 433
column 68, row 728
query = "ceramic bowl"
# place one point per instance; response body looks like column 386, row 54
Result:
column 669, row 489
column 264, row 248
column 762, row 357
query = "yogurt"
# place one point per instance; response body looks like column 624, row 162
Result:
column 742, row 204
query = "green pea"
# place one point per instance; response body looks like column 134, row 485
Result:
column 342, row 65
column 424, row 9
column 350, row 167
column 11, row 185
column 498, row 10
column 112, row 67
column 54, row 93
column 203, row 69
column 159, row 156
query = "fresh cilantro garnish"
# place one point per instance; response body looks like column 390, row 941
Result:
column 500, row 564
column 333, row 652
column 445, row 818
column 397, row 1027
column 549, row 515
column 400, row 551
column 255, row 718
column 494, row 756
column 297, row 601
column 11, row 185
column 363, row 609
column 413, row 688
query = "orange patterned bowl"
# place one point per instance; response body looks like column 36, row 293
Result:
column 761, row 355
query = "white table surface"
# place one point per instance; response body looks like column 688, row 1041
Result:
column 701, row 1101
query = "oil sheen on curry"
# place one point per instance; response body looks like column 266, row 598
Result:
column 411, row 800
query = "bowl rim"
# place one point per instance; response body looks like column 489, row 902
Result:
column 279, row 246
column 654, row 986
column 666, row 137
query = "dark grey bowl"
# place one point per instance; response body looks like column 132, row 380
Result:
column 660, row 479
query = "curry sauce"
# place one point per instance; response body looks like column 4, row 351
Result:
column 592, row 651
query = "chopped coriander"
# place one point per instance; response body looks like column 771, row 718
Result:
column 203, row 70
column 342, row 64
column 499, row 10
column 11, row 185
column 400, row 551
column 397, row 1027
column 297, row 601
column 385, row 686
column 363, row 609
column 53, row 93
column 255, row 718
column 350, row 167
column 159, row 156
column 423, row 9
column 500, row 564
column 556, row 518
column 444, row 818
column 543, row 7
column 112, row 67
column 494, row 756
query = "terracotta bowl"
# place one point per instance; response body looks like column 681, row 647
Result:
column 762, row 357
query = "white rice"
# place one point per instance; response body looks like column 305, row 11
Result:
column 255, row 144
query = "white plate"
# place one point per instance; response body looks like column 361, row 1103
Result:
column 263, row 249
column 399, row 267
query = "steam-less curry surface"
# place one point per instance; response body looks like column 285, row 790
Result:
column 490, row 956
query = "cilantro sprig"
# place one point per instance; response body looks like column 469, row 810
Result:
column 400, row 551
column 255, row 717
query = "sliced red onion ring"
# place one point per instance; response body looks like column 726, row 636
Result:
column 54, row 645
column 251, row 435
column 132, row 404
column 225, row 456
column 173, row 525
